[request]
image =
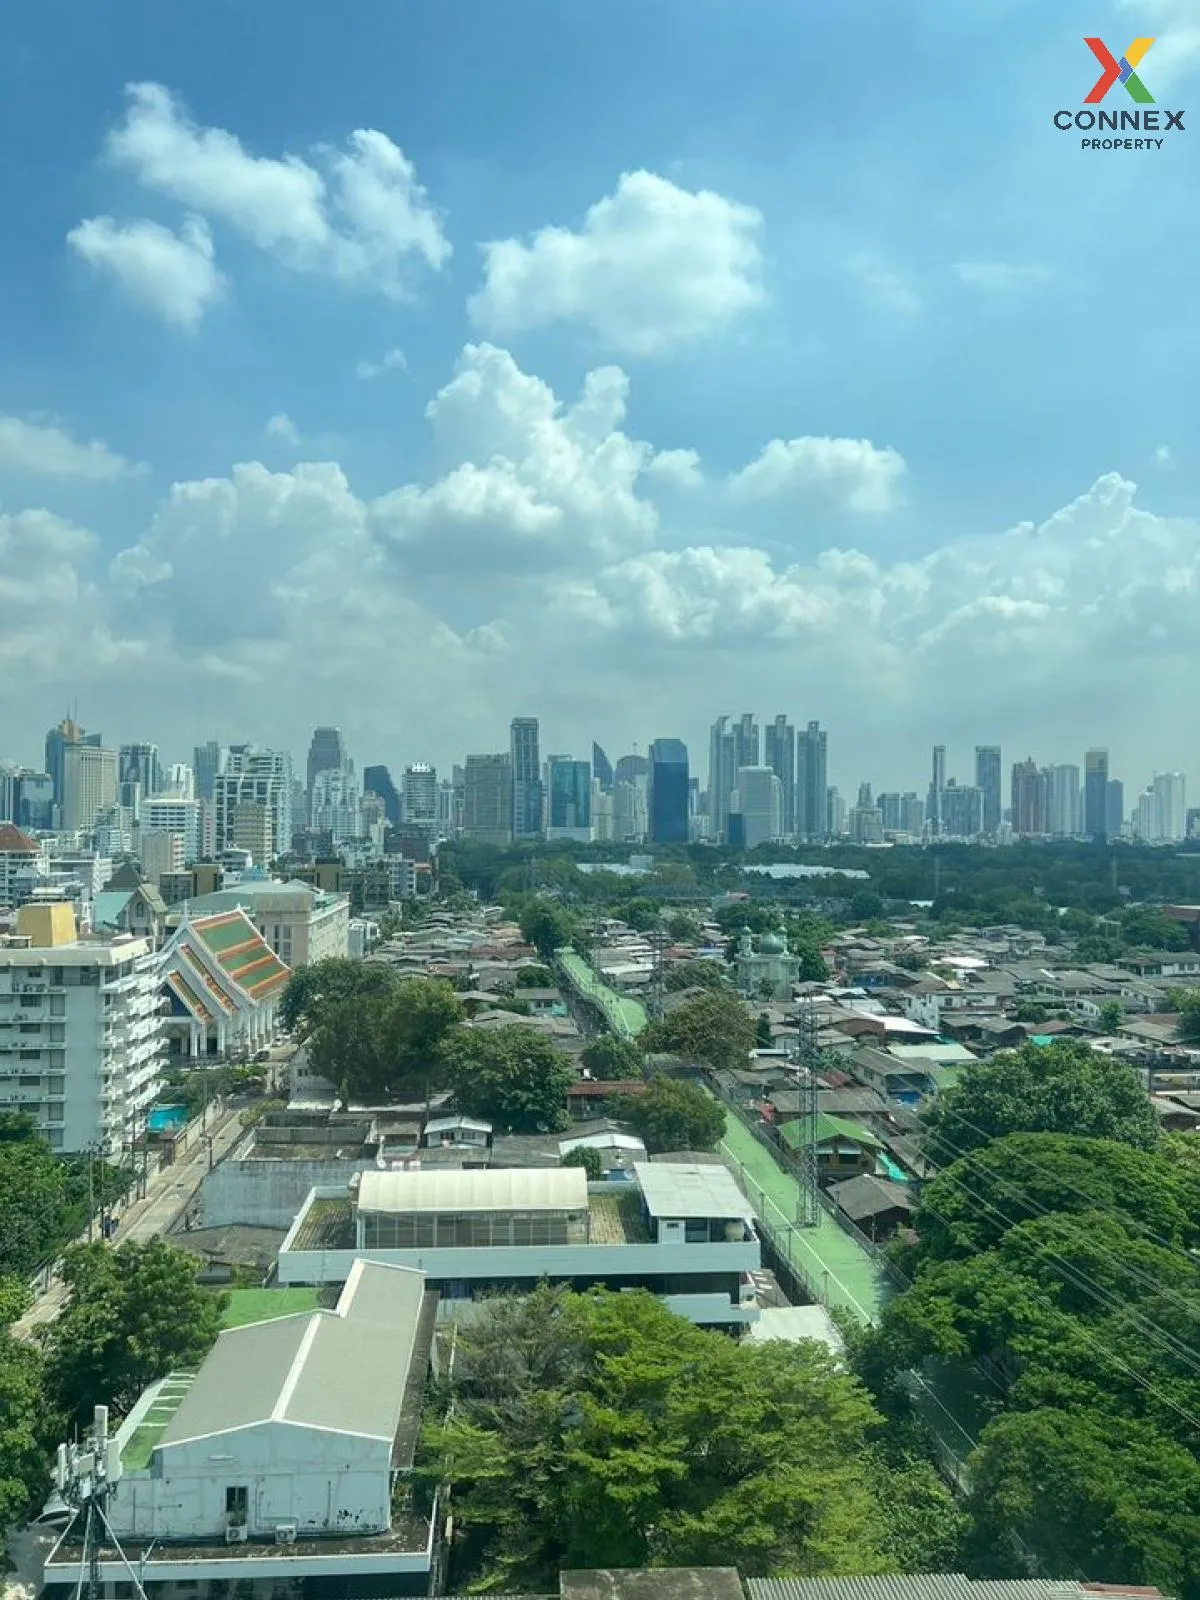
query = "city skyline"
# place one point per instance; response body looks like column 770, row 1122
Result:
column 567, row 380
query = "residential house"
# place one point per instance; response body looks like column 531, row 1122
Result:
column 877, row 1206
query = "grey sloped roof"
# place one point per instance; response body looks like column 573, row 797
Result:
column 918, row 1586
column 345, row 1370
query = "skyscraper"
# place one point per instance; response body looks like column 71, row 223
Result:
column 1114, row 807
column 326, row 753
column 988, row 780
column 668, row 795
column 629, row 768
column 68, row 732
column 758, row 800
column 1029, row 799
column 721, row 770
column 254, row 777
column 937, row 782
column 208, row 761
column 602, row 769
column 812, row 798
column 488, row 799
column 1095, row 794
column 780, row 756
column 526, row 778
column 1065, row 813
column 569, row 802
column 378, row 780
column 420, row 793
column 89, row 784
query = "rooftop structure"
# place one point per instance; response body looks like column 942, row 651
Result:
column 224, row 983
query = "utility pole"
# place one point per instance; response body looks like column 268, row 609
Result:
column 91, row 1159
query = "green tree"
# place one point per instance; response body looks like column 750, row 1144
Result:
column 535, row 977
column 384, row 1048
column 673, row 1115
column 312, row 991
column 684, row 928
column 33, row 1197
column 763, row 1038
column 1148, row 928
column 1112, row 1013
column 694, row 975
column 1064, row 1087
column 584, row 1156
column 752, row 914
column 546, row 925
column 24, row 1440
column 714, row 1027
column 133, row 1314
column 600, row 1430
column 641, row 913
column 511, row 1076
column 813, row 968
column 1189, row 1017
column 611, row 1059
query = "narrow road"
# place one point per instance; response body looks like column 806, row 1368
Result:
column 169, row 1192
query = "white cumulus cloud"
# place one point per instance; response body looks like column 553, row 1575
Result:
column 281, row 427
column 47, row 451
column 841, row 474
column 652, row 267
column 359, row 215
column 390, row 361
column 172, row 274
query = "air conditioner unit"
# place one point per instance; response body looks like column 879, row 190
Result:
column 285, row 1533
column 235, row 1533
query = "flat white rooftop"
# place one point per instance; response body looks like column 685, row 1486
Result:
column 675, row 1189
column 517, row 1189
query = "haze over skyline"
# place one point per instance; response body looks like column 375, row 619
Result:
column 619, row 368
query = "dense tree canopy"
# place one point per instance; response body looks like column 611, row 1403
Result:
column 1064, row 1087
column 134, row 1314
column 512, row 1076
column 44, row 1197
column 312, row 992
column 673, row 1115
column 546, row 925
column 694, row 975
column 714, row 1027
column 24, row 1436
column 600, row 1430
column 611, row 1059
column 586, row 1157
column 385, row 1047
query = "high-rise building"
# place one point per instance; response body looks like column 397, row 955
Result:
column 865, row 824
column 1170, row 795
column 988, row 780
column 89, row 784
column 667, row 799
column 253, row 776
column 629, row 768
column 526, row 778
column 758, row 800
column 569, row 799
column 326, row 753
column 139, row 764
column 721, row 770
column 488, row 799
column 1114, row 807
column 1095, row 794
column 34, row 801
column 337, row 804
column 91, row 1028
column 67, row 733
column 891, row 812
column 166, row 814
column 912, row 813
column 378, row 781
column 812, row 805
column 1064, row 805
column 251, row 830
column 602, row 769
column 780, row 756
column 962, row 810
column 421, row 793
column 1029, row 799
column 835, row 813
column 208, row 762
column 937, row 782
column 179, row 781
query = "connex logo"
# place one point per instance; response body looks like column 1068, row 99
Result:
column 1114, row 70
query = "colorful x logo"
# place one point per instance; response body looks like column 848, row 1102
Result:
column 1122, row 69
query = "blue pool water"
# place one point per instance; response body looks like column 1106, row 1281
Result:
column 166, row 1119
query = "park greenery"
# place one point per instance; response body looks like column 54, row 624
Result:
column 599, row 1430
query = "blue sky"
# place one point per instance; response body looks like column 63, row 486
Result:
column 344, row 480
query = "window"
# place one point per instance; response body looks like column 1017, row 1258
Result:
column 26, row 1082
column 237, row 1503
column 30, row 1055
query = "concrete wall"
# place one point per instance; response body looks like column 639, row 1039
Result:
column 324, row 1482
column 268, row 1194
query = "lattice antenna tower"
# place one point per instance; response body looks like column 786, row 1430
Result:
column 655, row 993
column 86, row 1477
column 805, row 1063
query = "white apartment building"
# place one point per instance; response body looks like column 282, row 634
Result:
column 173, row 814
column 22, row 866
column 81, row 1031
column 160, row 853
column 682, row 1230
column 253, row 777
column 337, row 804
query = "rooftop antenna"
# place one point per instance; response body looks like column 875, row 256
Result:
column 86, row 1477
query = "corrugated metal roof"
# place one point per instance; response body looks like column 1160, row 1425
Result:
column 687, row 1189
column 345, row 1370
column 914, row 1586
column 524, row 1189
